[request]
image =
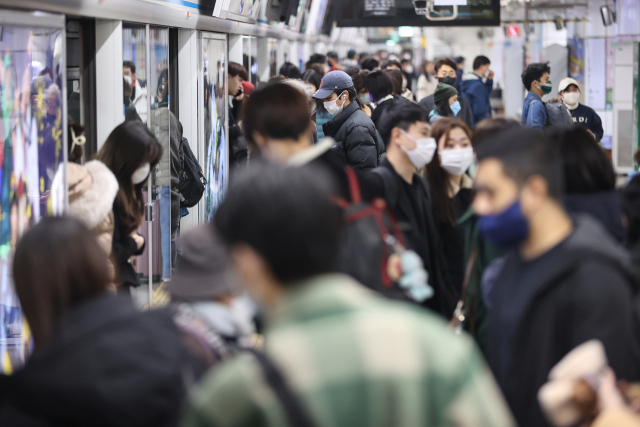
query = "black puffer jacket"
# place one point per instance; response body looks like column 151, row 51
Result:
column 356, row 137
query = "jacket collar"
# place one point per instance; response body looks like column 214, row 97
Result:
column 533, row 96
column 332, row 127
column 311, row 153
column 319, row 296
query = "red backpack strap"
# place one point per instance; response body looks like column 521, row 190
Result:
column 354, row 186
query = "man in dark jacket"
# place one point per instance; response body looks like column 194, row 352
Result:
column 406, row 131
column 563, row 282
column 476, row 88
column 357, row 140
column 446, row 73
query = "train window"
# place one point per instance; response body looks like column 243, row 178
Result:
column 215, row 122
column 165, row 127
column 134, row 55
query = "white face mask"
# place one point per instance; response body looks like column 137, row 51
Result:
column 129, row 80
column 332, row 106
column 423, row 153
column 141, row 174
column 456, row 162
column 408, row 69
column 571, row 98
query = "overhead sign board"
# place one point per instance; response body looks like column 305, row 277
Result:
column 402, row 13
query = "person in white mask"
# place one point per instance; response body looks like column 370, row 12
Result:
column 583, row 116
column 410, row 146
column 452, row 190
column 358, row 143
column 131, row 152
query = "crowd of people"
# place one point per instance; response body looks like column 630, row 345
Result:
column 380, row 259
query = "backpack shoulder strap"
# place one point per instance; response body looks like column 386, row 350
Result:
column 354, row 185
column 390, row 185
column 296, row 414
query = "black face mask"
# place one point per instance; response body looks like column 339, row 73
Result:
column 447, row 80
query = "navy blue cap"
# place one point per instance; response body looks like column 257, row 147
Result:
column 332, row 81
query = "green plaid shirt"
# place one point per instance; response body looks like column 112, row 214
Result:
column 355, row 359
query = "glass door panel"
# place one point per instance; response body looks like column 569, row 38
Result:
column 161, row 123
column 215, row 104
column 136, row 107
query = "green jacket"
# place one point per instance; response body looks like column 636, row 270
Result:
column 354, row 360
column 476, row 320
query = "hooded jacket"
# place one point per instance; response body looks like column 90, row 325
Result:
column 357, row 137
column 108, row 364
column 604, row 206
column 588, row 296
column 92, row 190
column 477, row 92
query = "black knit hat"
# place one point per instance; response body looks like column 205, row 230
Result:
column 444, row 91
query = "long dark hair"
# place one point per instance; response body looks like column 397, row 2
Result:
column 424, row 70
column 128, row 147
column 586, row 168
column 443, row 108
column 58, row 263
column 438, row 177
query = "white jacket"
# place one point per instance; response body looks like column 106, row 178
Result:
column 425, row 87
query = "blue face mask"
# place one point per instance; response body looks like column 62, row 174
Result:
column 506, row 229
column 455, row 107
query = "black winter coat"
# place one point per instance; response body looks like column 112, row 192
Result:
column 356, row 138
column 572, row 305
column 108, row 364
column 427, row 245
column 379, row 112
column 605, row 206
column 124, row 247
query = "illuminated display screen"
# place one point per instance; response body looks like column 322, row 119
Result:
column 396, row 13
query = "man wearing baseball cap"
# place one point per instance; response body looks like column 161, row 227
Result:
column 358, row 143
column 583, row 116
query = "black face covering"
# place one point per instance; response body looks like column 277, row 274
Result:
column 447, row 80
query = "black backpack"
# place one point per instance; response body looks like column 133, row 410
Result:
column 368, row 237
column 192, row 180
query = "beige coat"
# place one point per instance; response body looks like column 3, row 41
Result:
column 92, row 190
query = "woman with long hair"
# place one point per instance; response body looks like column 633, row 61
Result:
column 131, row 152
column 452, row 189
column 426, row 82
column 93, row 351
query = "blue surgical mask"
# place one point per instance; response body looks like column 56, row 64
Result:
column 455, row 108
column 506, row 229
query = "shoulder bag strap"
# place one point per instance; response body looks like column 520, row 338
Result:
column 390, row 185
column 296, row 414
column 354, row 185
